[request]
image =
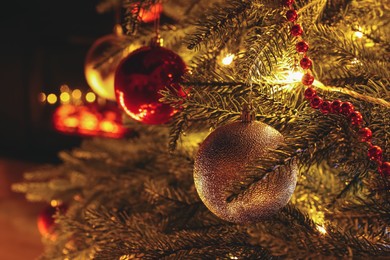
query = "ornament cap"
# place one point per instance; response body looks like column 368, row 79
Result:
column 157, row 41
column 247, row 114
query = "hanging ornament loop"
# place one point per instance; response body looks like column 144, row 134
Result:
column 247, row 115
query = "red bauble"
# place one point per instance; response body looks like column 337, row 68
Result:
column 141, row 76
column 347, row 108
column 356, row 118
column 296, row 30
column 375, row 153
column 149, row 14
column 46, row 219
column 336, row 106
column 325, row 107
column 302, row 47
column 307, row 79
column 306, row 63
column 365, row 134
column 292, row 15
column 310, row 93
column 316, row 102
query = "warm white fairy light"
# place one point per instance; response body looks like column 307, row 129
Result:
column 358, row 34
column 228, row 59
column 294, row 76
column 321, row 229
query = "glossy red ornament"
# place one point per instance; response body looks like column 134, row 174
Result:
column 347, row 108
column 296, row 30
column 307, row 79
column 365, row 134
column 141, row 76
column 292, row 15
column 302, row 46
column 287, row 2
column 325, row 107
column 375, row 153
column 385, row 169
column 336, row 106
column 306, row 63
column 46, row 221
column 316, row 102
column 310, row 93
column 356, row 118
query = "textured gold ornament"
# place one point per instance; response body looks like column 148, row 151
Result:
column 220, row 164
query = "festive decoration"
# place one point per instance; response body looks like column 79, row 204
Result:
column 140, row 77
column 221, row 162
column 336, row 106
column 99, row 73
column 46, row 221
column 150, row 14
column 89, row 120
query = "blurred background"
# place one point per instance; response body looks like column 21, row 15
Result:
column 43, row 47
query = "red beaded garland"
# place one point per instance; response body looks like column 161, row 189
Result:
column 325, row 107
column 292, row 15
column 347, row 108
column 375, row 153
column 287, row 2
column 302, row 46
column 315, row 102
column 385, row 169
column 356, row 118
column 365, row 134
column 307, row 79
column 296, row 30
column 336, row 106
column 310, row 93
column 306, row 63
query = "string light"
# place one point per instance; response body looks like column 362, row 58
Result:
column 64, row 88
column 90, row 97
column 294, row 76
column 64, row 97
column 42, row 97
column 358, row 34
column 76, row 94
column 51, row 98
column 228, row 59
column 321, row 229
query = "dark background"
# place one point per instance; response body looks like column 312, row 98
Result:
column 43, row 45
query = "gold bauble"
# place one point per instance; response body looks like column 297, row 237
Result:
column 220, row 165
column 100, row 71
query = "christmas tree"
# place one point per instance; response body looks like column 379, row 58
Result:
column 276, row 143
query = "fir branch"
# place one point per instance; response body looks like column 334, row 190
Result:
column 221, row 19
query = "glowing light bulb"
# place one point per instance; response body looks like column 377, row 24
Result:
column 294, row 76
column 65, row 97
column 228, row 59
column 358, row 34
column 90, row 97
column 42, row 97
column 76, row 94
column 64, row 88
column 51, row 99
column 321, row 229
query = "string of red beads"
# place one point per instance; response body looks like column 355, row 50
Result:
column 374, row 152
